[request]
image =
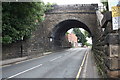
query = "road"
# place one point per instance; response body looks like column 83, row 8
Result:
column 63, row 64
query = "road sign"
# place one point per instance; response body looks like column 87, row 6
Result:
column 116, row 17
column 116, row 11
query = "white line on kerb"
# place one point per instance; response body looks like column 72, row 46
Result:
column 56, row 58
column 80, row 69
column 25, row 71
column 85, row 68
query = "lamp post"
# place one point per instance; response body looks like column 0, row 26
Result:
column 51, row 39
column 21, row 46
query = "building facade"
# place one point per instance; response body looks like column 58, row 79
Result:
column 72, row 38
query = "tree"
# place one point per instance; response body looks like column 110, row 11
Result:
column 67, row 33
column 49, row 6
column 88, row 44
column 19, row 19
column 105, row 3
column 87, row 34
column 80, row 35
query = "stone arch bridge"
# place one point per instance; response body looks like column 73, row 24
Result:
column 64, row 17
column 57, row 22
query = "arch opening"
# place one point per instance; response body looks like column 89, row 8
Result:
column 58, row 33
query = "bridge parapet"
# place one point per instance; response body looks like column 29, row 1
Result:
column 74, row 8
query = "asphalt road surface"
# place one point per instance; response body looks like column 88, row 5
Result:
column 63, row 64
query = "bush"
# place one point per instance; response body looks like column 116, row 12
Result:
column 20, row 19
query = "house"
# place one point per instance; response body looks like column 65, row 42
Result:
column 72, row 38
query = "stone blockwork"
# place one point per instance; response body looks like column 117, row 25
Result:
column 106, row 49
column 65, row 17
column 74, row 8
column 14, row 50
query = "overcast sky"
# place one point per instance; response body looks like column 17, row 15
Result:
column 59, row 2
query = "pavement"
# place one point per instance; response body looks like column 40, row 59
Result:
column 63, row 64
column 15, row 60
column 89, row 69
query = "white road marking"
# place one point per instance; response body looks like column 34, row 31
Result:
column 85, row 69
column 56, row 58
column 80, row 69
column 25, row 71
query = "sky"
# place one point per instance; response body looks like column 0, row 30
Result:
column 61, row 2
column 113, row 3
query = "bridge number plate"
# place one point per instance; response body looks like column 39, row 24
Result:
column 116, row 17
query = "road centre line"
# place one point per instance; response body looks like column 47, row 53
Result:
column 55, row 58
column 25, row 71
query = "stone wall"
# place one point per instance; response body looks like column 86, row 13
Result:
column 106, row 49
column 14, row 50
column 34, row 46
column 74, row 8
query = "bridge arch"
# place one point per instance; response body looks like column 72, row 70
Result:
column 58, row 32
column 64, row 17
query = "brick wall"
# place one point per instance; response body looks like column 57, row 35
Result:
column 73, row 39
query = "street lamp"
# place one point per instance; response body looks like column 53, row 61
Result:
column 51, row 39
column 21, row 46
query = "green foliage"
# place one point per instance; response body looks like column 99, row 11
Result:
column 66, row 33
column 86, row 34
column 7, row 39
column 19, row 19
column 80, row 35
column 105, row 3
column 49, row 6
column 88, row 44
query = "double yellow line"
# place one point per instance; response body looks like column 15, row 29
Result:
column 80, row 69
